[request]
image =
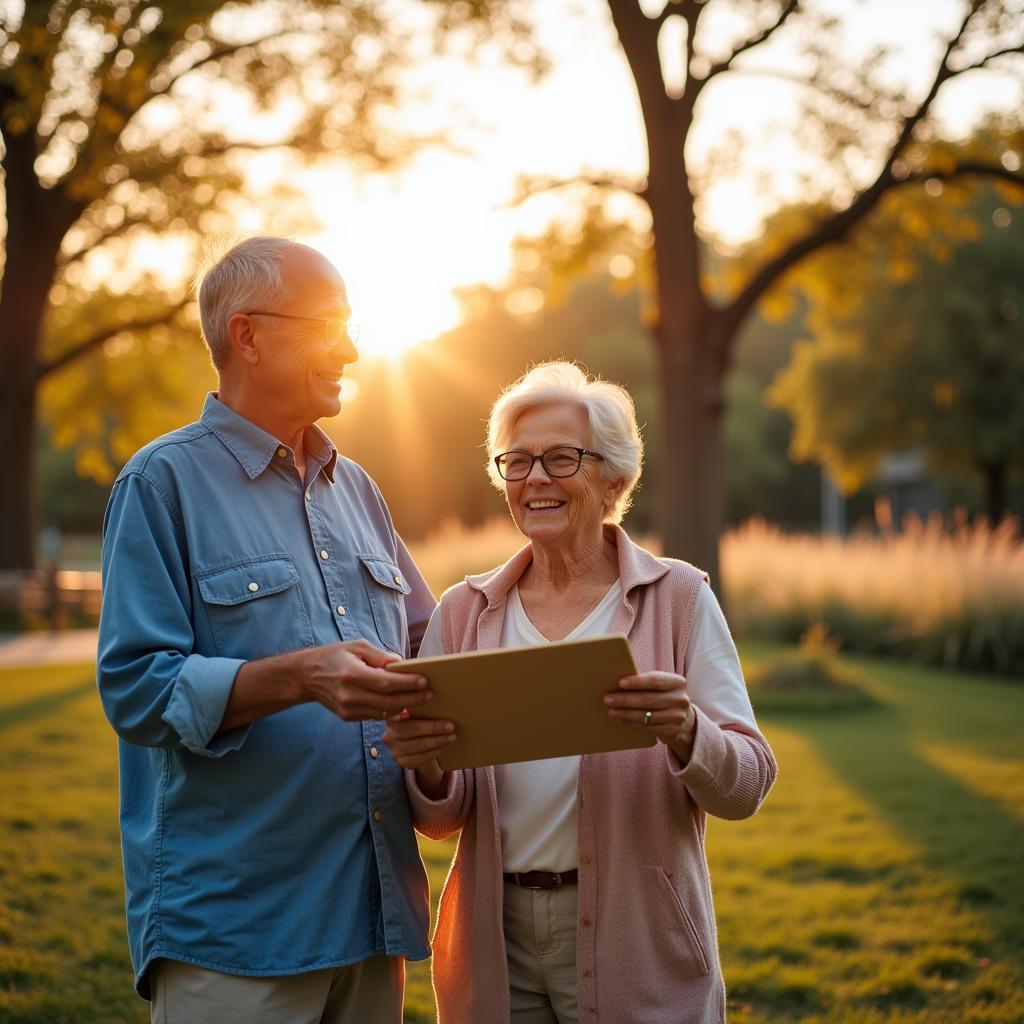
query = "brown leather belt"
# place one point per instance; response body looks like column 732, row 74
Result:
column 543, row 879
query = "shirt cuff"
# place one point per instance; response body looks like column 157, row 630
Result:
column 699, row 772
column 454, row 787
column 197, row 704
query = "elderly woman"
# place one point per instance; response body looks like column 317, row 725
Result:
column 580, row 891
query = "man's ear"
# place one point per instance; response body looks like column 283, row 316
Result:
column 243, row 341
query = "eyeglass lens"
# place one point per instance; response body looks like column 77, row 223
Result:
column 557, row 462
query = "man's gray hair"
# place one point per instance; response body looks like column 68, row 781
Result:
column 247, row 277
column 610, row 414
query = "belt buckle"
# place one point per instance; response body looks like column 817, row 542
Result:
column 557, row 879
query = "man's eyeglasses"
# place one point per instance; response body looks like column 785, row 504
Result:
column 557, row 462
column 335, row 331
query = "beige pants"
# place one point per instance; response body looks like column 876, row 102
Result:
column 540, row 938
column 368, row 992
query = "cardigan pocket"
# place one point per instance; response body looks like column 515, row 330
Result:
column 687, row 946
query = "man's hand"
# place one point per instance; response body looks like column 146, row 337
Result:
column 351, row 679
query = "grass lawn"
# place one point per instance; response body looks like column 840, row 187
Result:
column 882, row 882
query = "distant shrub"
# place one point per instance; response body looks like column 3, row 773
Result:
column 953, row 598
column 812, row 678
column 936, row 596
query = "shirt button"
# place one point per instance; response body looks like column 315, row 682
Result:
column 377, row 815
column 585, row 922
column 374, row 752
column 398, row 580
column 282, row 452
column 254, row 587
column 586, row 973
column 309, row 495
column 324, row 555
column 587, row 859
column 341, row 609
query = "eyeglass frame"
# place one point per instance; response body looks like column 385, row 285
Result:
column 345, row 332
column 534, row 459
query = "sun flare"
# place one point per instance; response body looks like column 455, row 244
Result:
column 393, row 239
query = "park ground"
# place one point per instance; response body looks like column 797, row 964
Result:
column 882, row 882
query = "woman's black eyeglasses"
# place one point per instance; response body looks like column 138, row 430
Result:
column 557, row 462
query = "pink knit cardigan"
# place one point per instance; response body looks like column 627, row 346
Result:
column 647, row 949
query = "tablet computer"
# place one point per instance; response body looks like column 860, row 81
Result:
column 528, row 703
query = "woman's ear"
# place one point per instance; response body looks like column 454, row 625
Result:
column 243, row 339
column 612, row 493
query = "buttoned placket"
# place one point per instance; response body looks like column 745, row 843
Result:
column 326, row 558
column 378, row 812
column 372, row 732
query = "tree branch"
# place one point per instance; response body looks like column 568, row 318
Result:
column 992, row 56
column 215, row 54
column 965, row 169
column 104, row 334
column 103, row 237
column 823, row 87
column 749, row 44
column 833, row 228
column 638, row 35
column 528, row 187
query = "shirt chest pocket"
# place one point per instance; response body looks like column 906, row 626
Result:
column 255, row 607
column 386, row 588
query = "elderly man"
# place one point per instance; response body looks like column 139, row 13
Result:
column 255, row 591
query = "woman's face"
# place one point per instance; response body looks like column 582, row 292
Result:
column 558, row 510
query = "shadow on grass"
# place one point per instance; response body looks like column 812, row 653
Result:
column 967, row 836
column 29, row 710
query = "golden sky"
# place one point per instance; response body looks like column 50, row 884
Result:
column 404, row 241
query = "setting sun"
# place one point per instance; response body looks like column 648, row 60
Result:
column 401, row 250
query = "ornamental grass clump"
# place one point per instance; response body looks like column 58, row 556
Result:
column 950, row 597
column 811, row 678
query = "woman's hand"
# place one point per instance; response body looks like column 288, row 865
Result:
column 662, row 694
column 417, row 743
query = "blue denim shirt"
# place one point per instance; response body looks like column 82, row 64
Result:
column 286, row 845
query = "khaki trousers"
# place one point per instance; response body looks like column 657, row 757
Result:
column 540, row 939
column 368, row 992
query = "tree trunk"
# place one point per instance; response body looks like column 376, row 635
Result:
column 994, row 476
column 692, row 498
column 18, row 494
column 37, row 220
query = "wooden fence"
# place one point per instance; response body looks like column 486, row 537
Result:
column 49, row 597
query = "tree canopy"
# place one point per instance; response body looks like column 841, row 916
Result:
column 127, row 119
column 928, row 358
column 863, row 129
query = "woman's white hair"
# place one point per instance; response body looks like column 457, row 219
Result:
column 610, row 414
column 246, row 277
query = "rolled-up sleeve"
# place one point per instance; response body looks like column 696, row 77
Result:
column 156, row 691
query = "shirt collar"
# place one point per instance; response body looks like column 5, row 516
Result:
column 637, row 567
column 254, row 447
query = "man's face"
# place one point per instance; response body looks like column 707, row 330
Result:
column 299, row 373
